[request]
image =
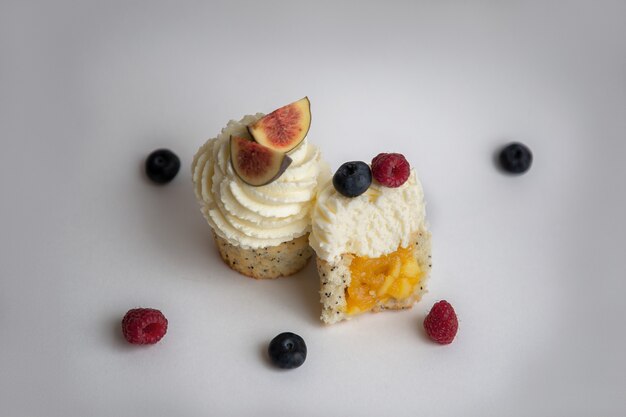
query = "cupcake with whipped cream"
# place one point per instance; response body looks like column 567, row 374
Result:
column 257, row 189
column 371, row 239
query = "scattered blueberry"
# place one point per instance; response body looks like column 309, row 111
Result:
column 352, row 178
column 287, row 350
column 516, row 158
column 162, row 166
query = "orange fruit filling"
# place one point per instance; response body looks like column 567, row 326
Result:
column 379, row 279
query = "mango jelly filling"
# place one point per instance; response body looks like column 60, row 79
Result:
column 379, row 279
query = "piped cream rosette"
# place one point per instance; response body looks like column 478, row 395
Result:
column 255, row 218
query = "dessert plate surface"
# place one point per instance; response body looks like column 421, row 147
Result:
column 531, row 263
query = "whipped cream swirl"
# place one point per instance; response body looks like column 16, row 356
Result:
column 372, row 224
column 255, row 217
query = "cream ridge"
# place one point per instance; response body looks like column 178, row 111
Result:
column 372, row 224
column 255, row 217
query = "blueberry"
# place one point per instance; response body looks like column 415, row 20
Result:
column 516, row 158
column 352, row 178
column 287, row 350
column 162, row 166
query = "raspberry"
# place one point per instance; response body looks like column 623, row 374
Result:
column 390, row 169
column 144, row 326
column 441, row 323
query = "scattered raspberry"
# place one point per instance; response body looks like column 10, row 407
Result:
column 144, row 326
column 441, row 323
column 390, row 169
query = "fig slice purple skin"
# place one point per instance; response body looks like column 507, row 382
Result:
column 285, row 128
column 256, row 164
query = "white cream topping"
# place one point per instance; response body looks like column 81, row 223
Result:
column 255, row 217
column 372, row 224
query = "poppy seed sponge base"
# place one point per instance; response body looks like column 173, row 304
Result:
column 268, row 262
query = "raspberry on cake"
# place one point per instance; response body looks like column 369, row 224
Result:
column 390, row 169
column 256, row 183
column 373, row 250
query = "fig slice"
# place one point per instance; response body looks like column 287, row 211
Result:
column 283, row 129
column 256, row 164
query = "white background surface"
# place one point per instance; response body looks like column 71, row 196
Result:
column 88, row 89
